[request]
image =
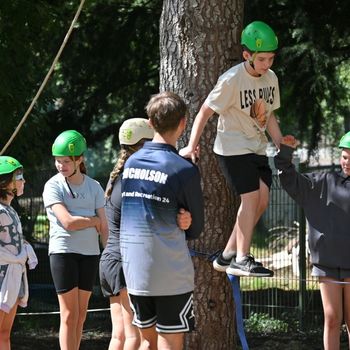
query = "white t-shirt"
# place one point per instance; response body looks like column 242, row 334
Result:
column 232, row 98
column 89, row 197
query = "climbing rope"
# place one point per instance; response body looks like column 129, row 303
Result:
column 43, row 84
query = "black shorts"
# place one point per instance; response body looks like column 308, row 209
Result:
column 70, row 270
column 336, row 273
column 243, row 172
column 111, row 277
column 169, row 313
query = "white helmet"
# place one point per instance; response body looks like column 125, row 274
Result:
column 133, row 130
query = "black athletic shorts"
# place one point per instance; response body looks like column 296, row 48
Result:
column 323, row 271
column 111, row 277
column 243, row 172
column 170, row 313
column 70, row 270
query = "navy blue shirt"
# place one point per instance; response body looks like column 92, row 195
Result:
column 156, row 183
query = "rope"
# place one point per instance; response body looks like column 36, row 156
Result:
column 55, row 312
column 234, row 280
column 41, row 88
column 207, row 256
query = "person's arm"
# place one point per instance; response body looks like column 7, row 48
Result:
column 274, row 130
column 298, row 186
column 104, row 226
column 194, row 203
column 74, row 223
column 197, row 129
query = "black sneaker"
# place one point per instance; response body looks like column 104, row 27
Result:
column 221, row 264
column 248, row 267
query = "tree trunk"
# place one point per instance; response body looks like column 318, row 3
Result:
column 199, row 40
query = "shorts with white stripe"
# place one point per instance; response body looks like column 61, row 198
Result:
column 169, row 313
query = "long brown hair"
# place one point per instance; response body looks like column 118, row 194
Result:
column 82, row 166
column 5, row 181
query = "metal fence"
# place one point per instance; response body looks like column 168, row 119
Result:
column 280, row 242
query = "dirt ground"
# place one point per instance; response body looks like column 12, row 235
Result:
column 42, row 334
column 96, row 340
column 48, row 340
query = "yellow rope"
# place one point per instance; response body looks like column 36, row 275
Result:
column 41, row 88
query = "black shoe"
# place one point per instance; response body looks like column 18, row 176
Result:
column 221, row 264
column 248, row 267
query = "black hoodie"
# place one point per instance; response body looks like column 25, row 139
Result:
column 325, row 198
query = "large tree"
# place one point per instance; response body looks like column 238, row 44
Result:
column 199, row 40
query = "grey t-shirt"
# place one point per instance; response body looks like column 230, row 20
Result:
column 89, row 197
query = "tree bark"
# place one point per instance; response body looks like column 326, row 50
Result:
column 199, row 40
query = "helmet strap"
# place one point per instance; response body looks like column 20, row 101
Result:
column 75, row 167
column 252, row 59
column 14, row 190
column 70, row 189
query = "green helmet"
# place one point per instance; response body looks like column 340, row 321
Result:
column 259, row 37
column 9, row 165
column 345, row 141
column 69, row 143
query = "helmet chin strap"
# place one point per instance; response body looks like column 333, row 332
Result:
column 75, row 168
column 73, row 173
column 251, row 62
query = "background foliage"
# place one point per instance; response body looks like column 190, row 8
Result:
column 110, row 67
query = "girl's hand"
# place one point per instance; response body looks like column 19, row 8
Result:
column 184, row 219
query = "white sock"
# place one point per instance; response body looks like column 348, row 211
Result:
column 240, row 257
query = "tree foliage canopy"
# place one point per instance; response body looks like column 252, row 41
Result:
column 105, row 75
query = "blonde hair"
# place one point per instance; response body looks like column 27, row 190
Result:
column 125, row 152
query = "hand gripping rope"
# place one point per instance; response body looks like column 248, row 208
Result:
column 41, row 88
column 236, row 292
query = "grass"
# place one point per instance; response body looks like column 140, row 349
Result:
column 41, row 228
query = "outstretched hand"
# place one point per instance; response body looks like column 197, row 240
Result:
column 290, row 141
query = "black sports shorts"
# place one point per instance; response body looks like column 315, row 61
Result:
column 169, row 313
column 243, row 172
column 112, row 278
column 70, row 270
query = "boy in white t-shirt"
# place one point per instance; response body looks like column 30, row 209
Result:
column 244, row 98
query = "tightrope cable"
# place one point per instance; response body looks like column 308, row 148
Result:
column 43, row 84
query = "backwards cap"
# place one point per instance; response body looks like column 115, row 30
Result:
column 133, row 130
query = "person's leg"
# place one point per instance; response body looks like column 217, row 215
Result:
column 6, row 323
column 250, row 176
column 346, row 306
column 132, row 334
column 84, row 297
column 332, row 296
column 173, row 341
column 69, row 313
column 145, row 318
column 87, row 272
column 117, row 337
column 263, row 194
column 149, row 338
